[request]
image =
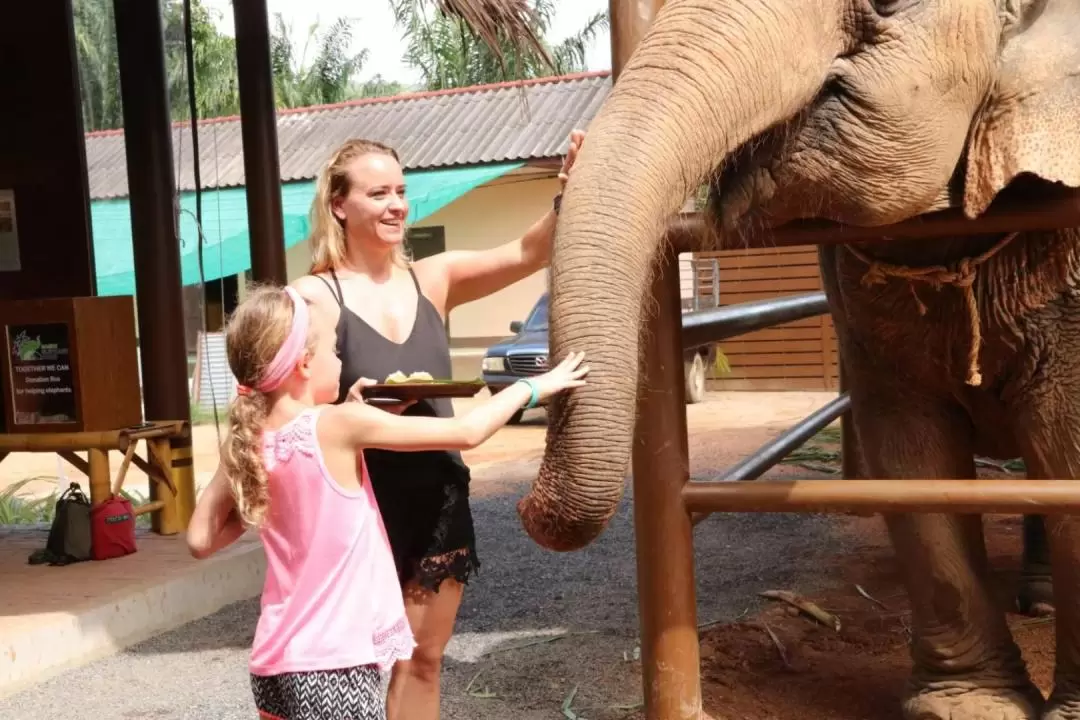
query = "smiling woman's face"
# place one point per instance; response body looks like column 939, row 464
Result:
column 374, row 209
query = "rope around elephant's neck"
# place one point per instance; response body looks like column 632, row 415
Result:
column 960, row 274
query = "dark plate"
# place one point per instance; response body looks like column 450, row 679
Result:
column 421, row 390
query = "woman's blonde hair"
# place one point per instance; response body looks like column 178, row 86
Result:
column 256, row 330
column 327, row 237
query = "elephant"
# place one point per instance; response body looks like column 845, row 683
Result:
column 868, row 113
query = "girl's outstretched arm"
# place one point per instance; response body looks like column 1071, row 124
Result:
column 365, row 426
column 215, row 524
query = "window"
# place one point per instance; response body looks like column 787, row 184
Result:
column 426, row 241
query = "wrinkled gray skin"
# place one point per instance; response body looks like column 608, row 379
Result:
column 865, row 113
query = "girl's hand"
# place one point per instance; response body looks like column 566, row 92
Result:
column 356, row 395
column 567, row 374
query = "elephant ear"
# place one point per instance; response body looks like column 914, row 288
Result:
column 1031, row 121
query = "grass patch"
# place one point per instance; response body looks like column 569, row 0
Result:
column 16, row 508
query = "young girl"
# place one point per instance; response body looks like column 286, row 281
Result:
column 332, row 613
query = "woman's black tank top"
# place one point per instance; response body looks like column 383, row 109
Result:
column 365, row 352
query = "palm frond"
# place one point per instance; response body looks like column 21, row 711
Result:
column 499, row 21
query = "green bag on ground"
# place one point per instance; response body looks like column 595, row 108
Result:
column 69, row 536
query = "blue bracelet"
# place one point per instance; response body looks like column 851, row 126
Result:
column 534, row 398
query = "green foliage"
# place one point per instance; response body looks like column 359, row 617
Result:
column 448, row 55
column 17, row 508
column 327, row 78
column 216, row 88
column 721, row 364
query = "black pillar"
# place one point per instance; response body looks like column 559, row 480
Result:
column 151, row 186
column 258, row 126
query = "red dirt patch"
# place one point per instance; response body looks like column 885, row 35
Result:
column 859, row 672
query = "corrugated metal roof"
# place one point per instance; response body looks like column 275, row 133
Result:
column 525, row 120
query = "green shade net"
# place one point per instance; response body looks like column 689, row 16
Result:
column 226, row 249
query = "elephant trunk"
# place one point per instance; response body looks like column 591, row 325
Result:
column 708, row 76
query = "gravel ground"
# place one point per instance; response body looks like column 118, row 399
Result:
column 522, row 598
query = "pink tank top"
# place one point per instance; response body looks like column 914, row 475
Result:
column 331, row 598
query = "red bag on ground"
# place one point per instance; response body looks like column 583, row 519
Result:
column 112, row 528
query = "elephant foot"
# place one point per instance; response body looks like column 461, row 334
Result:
column 1064, row 703
column 1062, row 711
column 956, row 703
column 1035, row 597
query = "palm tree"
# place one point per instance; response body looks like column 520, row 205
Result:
column 99, row 73
column 473, row 42
column 328, row 78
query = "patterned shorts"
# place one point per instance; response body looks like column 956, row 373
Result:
column 346, row 694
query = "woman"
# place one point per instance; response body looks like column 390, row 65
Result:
column 391, row 317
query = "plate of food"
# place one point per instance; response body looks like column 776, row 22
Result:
column 419, row 386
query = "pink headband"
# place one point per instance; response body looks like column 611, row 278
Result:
column 290, row 351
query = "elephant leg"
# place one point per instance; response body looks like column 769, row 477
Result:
column 1053, row 440
column 966, row 665
column 1036, row 594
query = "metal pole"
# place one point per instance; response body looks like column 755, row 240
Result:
column 258, row 126
column 1055, row 208
column 1038, row 497
column 667, row 602
column 667, row 605
column 151, row 187
column 709, row 326
column 761, row 460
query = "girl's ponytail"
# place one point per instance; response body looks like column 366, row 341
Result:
column 242, row 457
column 265, row 338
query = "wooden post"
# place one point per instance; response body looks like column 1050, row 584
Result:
column 258, row 128
column 148, row 145
column 100, row 482
column 667, row 603
column 173, row 457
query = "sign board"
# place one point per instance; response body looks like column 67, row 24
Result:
column 41, row 382
column 70, row 365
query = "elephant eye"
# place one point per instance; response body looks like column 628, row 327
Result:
column 886, row 8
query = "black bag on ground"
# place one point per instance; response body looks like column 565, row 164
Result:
column 69, row 536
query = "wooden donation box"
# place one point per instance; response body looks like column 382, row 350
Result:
column 70, row 365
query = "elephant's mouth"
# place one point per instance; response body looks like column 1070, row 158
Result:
column 745, row 193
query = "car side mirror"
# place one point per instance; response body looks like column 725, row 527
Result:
column 515, row 326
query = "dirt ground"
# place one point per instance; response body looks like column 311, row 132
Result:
column 857, row 673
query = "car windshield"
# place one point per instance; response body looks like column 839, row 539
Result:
column 538, row 318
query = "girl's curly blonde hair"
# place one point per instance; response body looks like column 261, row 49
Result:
column 255, row 331
column 327, row 238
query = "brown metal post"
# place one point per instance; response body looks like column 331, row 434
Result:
column 258, row 127
column 667, row 603
column 629, row 21
column 155, row 245
column 910, row 495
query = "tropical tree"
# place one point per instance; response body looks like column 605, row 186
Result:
column 216, row 86
column 99, row 74
column 327, row 78
column 458, row 44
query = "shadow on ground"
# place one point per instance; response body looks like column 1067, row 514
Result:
column 504, row 658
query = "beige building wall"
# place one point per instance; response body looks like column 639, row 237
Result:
column 488, row 216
